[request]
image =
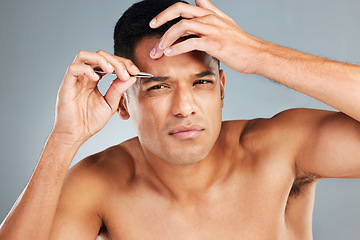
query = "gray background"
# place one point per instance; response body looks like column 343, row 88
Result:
column 40, row 38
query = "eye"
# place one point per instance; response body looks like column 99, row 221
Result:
column 156, row 87
column 203, row 82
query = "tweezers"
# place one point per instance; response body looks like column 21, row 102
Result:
column 139, row 75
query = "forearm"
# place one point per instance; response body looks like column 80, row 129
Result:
column 32, row 215
column 334, row 83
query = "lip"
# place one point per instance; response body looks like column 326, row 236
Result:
column 186, row 131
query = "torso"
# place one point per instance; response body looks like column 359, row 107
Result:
column 264, row 197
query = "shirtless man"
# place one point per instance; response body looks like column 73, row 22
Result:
column 188, row 175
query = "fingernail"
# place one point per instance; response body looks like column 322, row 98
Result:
column 127, row 76
column 168, row 51
column 153, row 22
column 153, row 52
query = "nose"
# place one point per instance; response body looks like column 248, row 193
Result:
column 184, row 104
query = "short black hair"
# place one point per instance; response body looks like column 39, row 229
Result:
column 133, row 26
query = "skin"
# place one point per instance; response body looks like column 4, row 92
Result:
column 252, row 179
column 249, row 177
column 195, row 197
column 184, row 99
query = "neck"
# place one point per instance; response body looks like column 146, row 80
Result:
column 187, row 182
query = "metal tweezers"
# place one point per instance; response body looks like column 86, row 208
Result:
column 139, row 75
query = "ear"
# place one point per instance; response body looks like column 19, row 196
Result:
column 222, row 86
column 123, row 109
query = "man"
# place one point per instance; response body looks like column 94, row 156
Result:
column 188, row 175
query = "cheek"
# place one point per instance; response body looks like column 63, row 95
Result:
column 151, row 115
column 209, row 101
column 210, row 106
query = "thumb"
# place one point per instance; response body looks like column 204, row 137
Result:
column 116, row 89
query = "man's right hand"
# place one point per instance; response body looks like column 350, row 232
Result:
column 81, row 110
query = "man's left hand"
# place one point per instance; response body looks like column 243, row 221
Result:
column 218, row 35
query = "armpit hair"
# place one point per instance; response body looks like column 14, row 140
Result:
column 301, row 181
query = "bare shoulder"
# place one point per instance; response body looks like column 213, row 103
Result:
column 98, row 175
column 286, row 127
column 284, row 134
column 277, row 140
column 115, row 164
column 87, row 185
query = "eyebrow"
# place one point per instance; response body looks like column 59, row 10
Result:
column 163, row 78
column 204, row 74
column 155, row 79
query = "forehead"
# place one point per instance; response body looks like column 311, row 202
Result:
column 187, row 62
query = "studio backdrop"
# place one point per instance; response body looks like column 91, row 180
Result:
column 40, row 38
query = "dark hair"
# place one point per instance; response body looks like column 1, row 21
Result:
column 133, row 25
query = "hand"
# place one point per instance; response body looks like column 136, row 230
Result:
column 81, row 110
column 218, row 35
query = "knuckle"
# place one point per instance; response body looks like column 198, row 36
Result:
column 72, row 67
column 101, row 52
column 81, row 53
column 212, row 18
column 102, row 59
column 179, row 5
column 101, row 56
column 185, row 23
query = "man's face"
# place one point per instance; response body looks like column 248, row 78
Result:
column 178, row 113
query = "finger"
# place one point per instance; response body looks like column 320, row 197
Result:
column 188, row 45
column 123, row 67
column 77, row 71
column 208, row 5
column 116, row 89
column 184, row 27
column 178, row 10
column 94, row 60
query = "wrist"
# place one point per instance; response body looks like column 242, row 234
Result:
column 64, row 140
column 256, row 57
column 265, row 58
column 57, row 154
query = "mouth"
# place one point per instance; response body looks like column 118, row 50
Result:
column 186, row 131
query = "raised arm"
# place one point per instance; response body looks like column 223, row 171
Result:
column 334, row 83
column 329, row 142
column 81, row 111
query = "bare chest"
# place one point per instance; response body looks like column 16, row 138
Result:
column 252, row 209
